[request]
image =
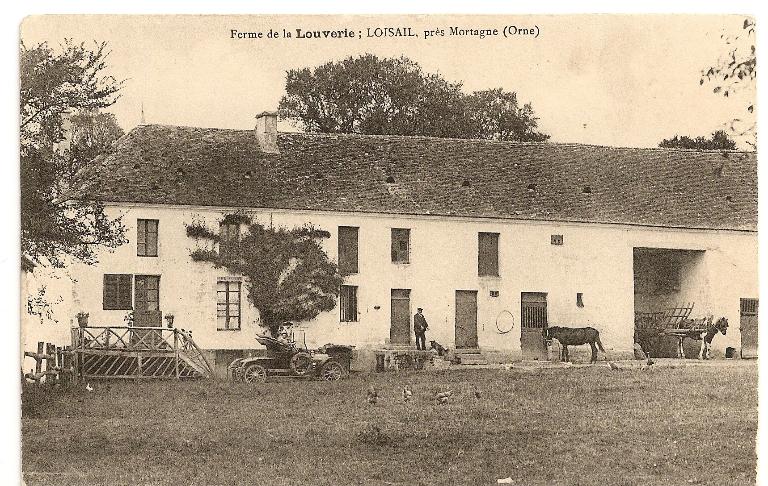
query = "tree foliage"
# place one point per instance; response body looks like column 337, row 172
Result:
column 718, row 141
column 735, row 72
column 394, row 96
column 289, row 276
column 58, row 219
column 93, row 134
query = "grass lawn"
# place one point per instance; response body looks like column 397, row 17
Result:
column 587, row 425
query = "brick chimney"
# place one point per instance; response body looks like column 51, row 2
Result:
column 266, row 132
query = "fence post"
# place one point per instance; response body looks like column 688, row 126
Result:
column 176, row 351
column 39, row 362
column 50, row 353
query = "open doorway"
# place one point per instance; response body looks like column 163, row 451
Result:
column 670, row 285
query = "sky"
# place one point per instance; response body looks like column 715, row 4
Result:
column 617, row 80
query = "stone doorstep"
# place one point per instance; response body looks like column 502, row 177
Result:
column 470, row 356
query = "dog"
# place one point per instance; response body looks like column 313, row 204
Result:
column 441, row 351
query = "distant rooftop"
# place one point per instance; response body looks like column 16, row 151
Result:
column 432, row 176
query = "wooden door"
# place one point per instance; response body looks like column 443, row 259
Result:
column 748, row 328
column 146, row 303
column 466, row 319
column 533, row 321
column 400, row 327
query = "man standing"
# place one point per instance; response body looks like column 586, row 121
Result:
column 420, row 328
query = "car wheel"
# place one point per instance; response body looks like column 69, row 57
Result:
column 332, row 371
column 255, row 373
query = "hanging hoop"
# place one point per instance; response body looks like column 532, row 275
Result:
column 504, row 328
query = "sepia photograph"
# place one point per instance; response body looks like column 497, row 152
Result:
column 388, row 249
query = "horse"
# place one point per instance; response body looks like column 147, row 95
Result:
column 721, row 326
column 575, row 336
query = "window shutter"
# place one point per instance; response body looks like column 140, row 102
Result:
column 401, row 245
column 488, row 254
column 348, row 249
column 117, row 292
column 348, row 303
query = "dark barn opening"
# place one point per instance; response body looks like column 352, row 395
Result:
column 670, row 285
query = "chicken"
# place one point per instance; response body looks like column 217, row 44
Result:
column 88, row 387
column 442, row 397
column 614, row 366
column 477, row 393
column 372, row 395
column 407, row 393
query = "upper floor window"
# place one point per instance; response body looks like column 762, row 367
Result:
column 348, row 249
column 488, row 254
column 118, row 292
column 401, row 245
column 146, row 240
column 348, row 303
column 229, row 234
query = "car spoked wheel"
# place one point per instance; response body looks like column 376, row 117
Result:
column 332, row 371
column 255, row 373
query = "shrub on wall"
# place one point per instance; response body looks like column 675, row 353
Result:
column 289, row 275
column 198, row 230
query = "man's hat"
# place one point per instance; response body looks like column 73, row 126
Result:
column 419, row 308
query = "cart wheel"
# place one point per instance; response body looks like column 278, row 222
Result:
column 332, row 371
column 255, row 373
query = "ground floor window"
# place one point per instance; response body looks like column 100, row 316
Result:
column 348, row 303
column 118, row 291
column 228, row 305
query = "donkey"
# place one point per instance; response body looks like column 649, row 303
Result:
column 575, row 336
column 721, row 326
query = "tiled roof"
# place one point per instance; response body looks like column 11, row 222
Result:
column 529, row 181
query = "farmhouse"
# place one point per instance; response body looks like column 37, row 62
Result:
column 494, row 240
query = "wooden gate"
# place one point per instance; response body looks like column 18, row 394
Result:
column 466, row 319
column 400, row 324
column 533, row 321
column 748, row 327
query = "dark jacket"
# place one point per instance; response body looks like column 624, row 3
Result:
column 419, row 323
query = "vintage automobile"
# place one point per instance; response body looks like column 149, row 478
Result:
column 285, row 358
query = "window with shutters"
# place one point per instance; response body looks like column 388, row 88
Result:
column 118, row 292
column 401, row 245
column 146, row 240
column 348, row 303
column 488, row 254
column 228, row 305
column 348, row 249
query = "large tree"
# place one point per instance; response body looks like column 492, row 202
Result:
column 59, row 221
column 498, row 116
column 718, row 141
column 735, row 72
column 394, row 96
column 93, row 133
column 289, row 276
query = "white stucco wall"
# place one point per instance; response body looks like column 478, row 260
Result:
column 596, row 260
